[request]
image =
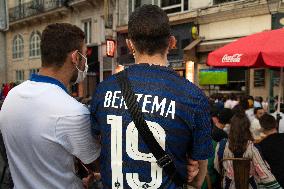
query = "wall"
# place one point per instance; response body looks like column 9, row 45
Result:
column 262, row 91
column 123, row 9
column 196, row 4
column 26, row 63
column 95, row 14
column 3, row 61
column 235, row 27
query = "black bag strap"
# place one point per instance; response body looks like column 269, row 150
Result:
column 164, row 160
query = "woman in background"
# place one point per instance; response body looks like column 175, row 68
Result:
column 240, row 145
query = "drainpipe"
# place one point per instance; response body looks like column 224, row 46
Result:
column 114, row 34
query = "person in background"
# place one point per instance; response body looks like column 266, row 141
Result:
column 221, row 124
column 238, row 109
column 265, row 105
column 231, row 102
column 219, row 103
column 257, row 102
column 255, row 128
column 6, row 90
column 281, row 121
column 240, row 145
column 1, row 91
column 272, row 147
column 250, row 110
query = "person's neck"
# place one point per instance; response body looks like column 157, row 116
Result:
column 156, row 59
column 270, row 132
column 56, row 74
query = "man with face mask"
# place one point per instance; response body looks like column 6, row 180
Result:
column 42, row 125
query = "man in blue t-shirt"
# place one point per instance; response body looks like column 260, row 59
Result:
column 176, row 111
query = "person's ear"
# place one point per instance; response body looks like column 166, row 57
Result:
column 172, row 42
column 130, row 45
column 74, row 57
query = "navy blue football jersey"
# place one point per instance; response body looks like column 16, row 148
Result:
column 177, row 113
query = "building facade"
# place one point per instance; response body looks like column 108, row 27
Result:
column 218, row 22
column 27, row 19
column 26, row 23
column 3, row 62
column 3, row 28
column 200, row 26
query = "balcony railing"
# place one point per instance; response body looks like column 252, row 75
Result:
column 223, row 1
column 34, row 7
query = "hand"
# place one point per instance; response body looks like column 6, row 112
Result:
column 192, row 170
column 97, row 176
column 88, row 180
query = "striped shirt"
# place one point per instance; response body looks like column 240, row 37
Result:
column 260, row 175
column 177, row 113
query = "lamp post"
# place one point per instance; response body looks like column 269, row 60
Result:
column 273, row 7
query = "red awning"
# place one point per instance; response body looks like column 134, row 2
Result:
column 265, row 49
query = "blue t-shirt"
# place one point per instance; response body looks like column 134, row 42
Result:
column 177, row 113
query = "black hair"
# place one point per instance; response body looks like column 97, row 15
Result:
column 225, row 115
column 268, row 122
column 57, row 41
column 149, row 30
column 256, row 109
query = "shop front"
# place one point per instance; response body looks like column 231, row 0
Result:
column 213, row 35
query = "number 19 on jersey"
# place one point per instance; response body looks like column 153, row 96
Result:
column 133, row 152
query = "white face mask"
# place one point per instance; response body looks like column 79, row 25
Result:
column 82, row 74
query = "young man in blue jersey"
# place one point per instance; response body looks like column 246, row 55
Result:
column 176, row 111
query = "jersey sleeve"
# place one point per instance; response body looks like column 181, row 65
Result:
column 74, row 134
column 202, row 146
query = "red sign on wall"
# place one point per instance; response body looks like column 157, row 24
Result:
column 110, row 47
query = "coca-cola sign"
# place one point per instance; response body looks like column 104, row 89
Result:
column 232, row 58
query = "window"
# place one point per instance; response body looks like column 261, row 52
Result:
column 169, row 6
column 139, row 3
column 222, row 1
column 87, row 28
column 34, row 71
column 18, row 47
column 35, row 44
column 20, row 75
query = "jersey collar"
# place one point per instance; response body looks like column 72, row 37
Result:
column 46, row 79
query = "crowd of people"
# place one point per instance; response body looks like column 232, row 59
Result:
column 145, row 127
column 242, row 128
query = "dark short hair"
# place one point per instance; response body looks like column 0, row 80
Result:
column 225, row 115
column 232, row 97
column 57, row 41
column 244, row 102
column 256, row 109
column 268, row 122
column 149, row 29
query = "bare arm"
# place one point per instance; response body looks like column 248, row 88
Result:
column 199, row 179
column 192, row 170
